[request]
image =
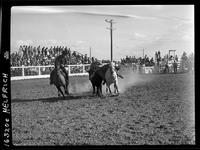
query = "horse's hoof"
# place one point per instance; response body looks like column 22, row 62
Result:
column 69, row 95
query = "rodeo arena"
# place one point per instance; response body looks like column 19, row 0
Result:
column 134, row 101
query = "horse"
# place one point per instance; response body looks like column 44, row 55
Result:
column 59, row 81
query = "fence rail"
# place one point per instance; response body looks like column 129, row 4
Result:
column 32, row 72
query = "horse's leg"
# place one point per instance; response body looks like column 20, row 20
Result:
column 93, row 88
column 59, row 89
column 109, row 89
column 66, row 89
column 99, row 90
column 116, row 88
column 108, row 86
column 65, row 85
column 58, row 93
column 64, row 82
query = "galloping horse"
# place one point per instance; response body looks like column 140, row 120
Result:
column 59, row 81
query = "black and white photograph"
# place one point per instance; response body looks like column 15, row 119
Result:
column 102, row 75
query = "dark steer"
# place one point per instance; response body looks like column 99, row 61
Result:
column 97, row 75
column 96, row 81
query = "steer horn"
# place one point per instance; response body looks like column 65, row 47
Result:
column 120, row 76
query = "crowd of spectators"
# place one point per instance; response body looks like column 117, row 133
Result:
column 141, row 61
column 147, row 61
column 42, row 56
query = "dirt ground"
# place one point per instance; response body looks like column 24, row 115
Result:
column 157, row 111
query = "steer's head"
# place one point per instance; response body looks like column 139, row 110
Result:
column 91, row 73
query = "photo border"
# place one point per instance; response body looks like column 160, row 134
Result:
column 6, row 120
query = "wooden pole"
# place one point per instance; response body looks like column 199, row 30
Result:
column 111, row 38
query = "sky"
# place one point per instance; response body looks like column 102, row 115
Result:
column 136, row 28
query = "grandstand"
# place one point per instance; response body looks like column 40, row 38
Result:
column 42, row 56
column 37, row 62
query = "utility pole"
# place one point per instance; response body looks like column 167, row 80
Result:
column 143, row 52
column 111, row 41
column 90, row 52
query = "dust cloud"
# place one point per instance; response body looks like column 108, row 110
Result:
column 80, row 87
column 132, row 79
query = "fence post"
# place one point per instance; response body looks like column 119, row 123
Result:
column 83, row 68
column 69, row 70
column 39, row 71
column 22, row 70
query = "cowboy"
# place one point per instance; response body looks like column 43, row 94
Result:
column 59, row 64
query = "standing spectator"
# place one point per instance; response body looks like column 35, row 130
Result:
column 156, row 56
column 184, row 61
column 175, row 66
column 159, row 57
column 176, row 58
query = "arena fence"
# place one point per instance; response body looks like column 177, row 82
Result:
column 33, row 72
column 153, row 69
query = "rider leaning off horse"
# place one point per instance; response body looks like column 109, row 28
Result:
column 59, row 65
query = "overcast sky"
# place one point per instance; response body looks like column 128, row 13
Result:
column 137, row 27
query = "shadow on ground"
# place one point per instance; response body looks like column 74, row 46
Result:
column 52, row 99
column 55, row 99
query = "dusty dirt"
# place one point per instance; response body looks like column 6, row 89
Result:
column 157, row 111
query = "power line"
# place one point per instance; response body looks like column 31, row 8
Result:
column 111, row 39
